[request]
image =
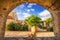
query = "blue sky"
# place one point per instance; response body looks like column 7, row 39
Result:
column 27, row 9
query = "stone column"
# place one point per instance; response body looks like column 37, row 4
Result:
column 56, row 25
column 2, row 26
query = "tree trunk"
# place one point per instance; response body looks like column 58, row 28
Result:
column 47, row 26
column 2, row 26
column 34, row 30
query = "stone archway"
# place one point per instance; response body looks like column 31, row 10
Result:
column 52, row 5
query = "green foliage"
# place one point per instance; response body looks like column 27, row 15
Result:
column 40, row 26
column 50, row 29
column 16, row 27
column 49, row 20
column 11, row 26
column 25, row 27
column 44, row 27
column 33, row 20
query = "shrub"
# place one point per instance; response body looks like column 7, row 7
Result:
column 44, row 27
column 40, row 26
column 11, row 26
column 18, row 27
column 50, row 29
column 14, row 26
column 25, row 27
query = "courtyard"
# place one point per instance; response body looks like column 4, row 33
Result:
column 27, row 34
column 6, row 6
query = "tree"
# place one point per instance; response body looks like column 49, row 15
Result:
column 48, row 21
column 33, row 21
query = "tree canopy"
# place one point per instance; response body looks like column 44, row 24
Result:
column 33, row 20
column 48, row 20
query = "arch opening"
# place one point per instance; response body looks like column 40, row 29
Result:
column 31, row 10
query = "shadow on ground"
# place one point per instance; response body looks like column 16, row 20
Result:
column 30, row 38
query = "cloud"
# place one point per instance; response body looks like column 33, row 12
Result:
column 18, row 13
column 23, row 16
column 44, row 15
column 32, row 9
column 31, row 4
column 28, row 10
column 20, row 18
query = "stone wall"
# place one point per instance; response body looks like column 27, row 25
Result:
column 7, row 6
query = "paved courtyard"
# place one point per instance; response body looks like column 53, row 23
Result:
column 24, row 35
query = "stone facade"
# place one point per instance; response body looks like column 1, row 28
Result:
column 6, row 6
column 45, row 24
column 22, row 22
column 12, row 17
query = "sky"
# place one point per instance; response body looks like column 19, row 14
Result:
column 27, row 9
